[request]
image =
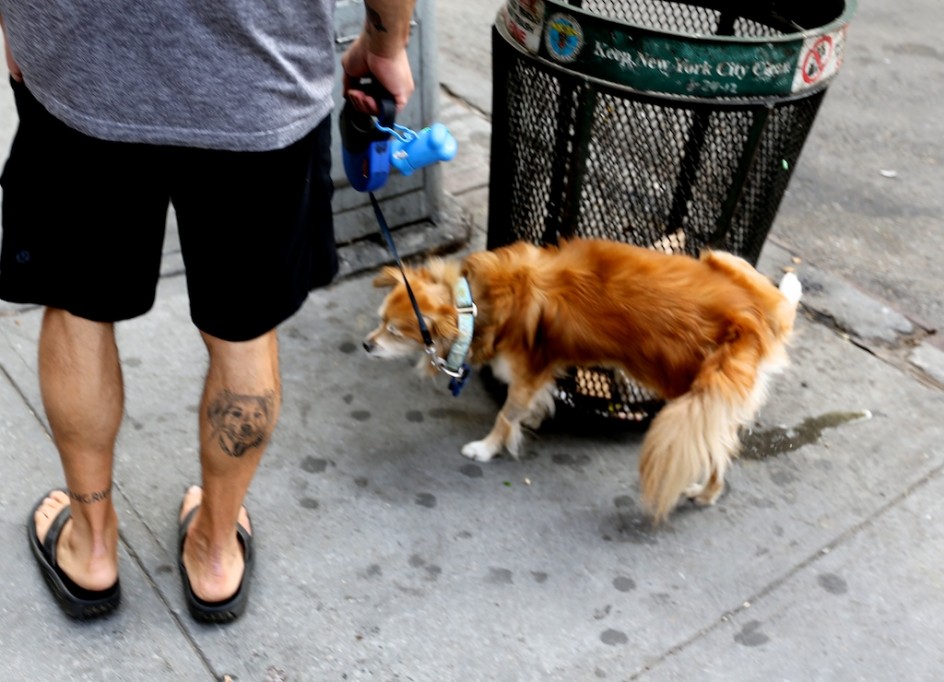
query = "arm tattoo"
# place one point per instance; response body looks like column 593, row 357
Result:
column 241, row 422
column 374, row 19
column 89, row 498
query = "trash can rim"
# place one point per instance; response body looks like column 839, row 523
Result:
column 675, row 64
column 848, row 11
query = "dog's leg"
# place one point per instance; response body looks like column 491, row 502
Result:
column 542, row 408
column 707, row 493
column 507, row 429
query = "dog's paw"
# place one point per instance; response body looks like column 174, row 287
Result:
column 791, row 288
column 478, row 450
column 704, row 495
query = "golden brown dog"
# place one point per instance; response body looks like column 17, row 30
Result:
column 705, row 334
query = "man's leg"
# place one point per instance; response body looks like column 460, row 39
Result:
column 81, row 384
column 279, row 235
column 240, row 406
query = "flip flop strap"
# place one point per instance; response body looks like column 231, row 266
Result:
column 52, row 535
column 245, row 540
column 185, row 525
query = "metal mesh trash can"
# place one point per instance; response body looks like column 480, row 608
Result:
column 669, row 124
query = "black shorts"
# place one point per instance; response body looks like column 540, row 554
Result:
column 83, row 225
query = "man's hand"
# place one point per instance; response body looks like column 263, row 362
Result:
column 380, row 51
column 393, row 73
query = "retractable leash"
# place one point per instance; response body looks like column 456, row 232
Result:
column 370, row 146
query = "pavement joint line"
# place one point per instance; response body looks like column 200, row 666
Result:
column 752, row 600
column 469, row 190
column 464, row 102
column 893, row 356
column 155, row 588
column 904, row 340
column 924, row 327
column 25, row 399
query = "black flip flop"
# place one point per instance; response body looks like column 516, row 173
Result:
column 77, row 602
column 225, row 611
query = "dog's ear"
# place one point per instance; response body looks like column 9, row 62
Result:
column 436, row 268
column 218, row 407
column 265, row 403
column 389, row 276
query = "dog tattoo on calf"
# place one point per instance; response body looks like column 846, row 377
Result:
column 240, row 422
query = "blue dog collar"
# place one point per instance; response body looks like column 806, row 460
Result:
column 466, row 311
column 455, row 365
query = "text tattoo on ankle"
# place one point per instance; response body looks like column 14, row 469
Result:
column 240, row 422
column 89, row 498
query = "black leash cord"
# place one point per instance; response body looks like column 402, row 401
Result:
column 385, row 231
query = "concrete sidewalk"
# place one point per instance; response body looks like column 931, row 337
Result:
column 383, row 554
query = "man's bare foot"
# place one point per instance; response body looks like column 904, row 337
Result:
column 215, row 573
column 90, row 563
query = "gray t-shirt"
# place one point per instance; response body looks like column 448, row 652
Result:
column 242, row 75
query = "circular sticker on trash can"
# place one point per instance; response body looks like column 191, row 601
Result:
column 563, row 37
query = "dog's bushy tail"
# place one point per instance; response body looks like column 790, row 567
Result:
column 694, row 437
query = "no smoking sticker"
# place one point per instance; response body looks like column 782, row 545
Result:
column 816, row 59
column 820, row 59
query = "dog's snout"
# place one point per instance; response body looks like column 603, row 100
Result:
column 368, row 345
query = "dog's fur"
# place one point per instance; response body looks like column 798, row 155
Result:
column 705, row 334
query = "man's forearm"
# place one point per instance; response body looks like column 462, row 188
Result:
column 387, row 25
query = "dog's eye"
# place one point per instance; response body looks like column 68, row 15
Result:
column 391, row 329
